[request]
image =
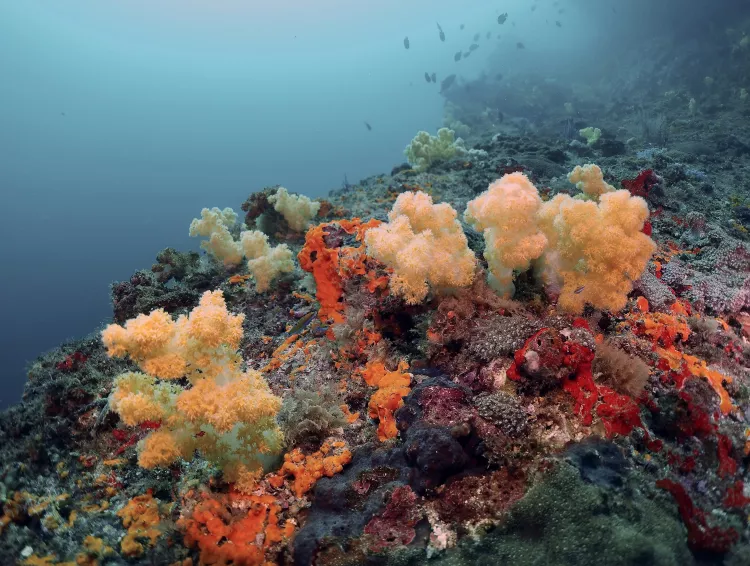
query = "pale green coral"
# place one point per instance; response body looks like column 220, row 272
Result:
column 591, row 135
column 425, row 150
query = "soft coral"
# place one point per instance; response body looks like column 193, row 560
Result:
column 222, row 402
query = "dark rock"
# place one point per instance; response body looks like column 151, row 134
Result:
column 399, row 168
column 610, row 147
column 556, row 156
column 599, row 462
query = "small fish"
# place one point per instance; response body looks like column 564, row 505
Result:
column 406, row 42
column 533, row 8
column 447, row 82
column 466, row 54
column 427, row 77
column 301, row 323
column 580, row 290
column 442, row 34
column 558, row 24
column 476, row 37
column 500, row 116
column 489, row 34
column 520, row 45
column 473, row 47
column 461, row 26
column 502, row 18
column 457, row 56
column 499, row 76
column 368, row 126
column 434, row 79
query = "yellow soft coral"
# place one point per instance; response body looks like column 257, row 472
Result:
column 426, row 150
column 160, row 448
column 590, row 181
column 506, row 214
column 227, row 415
column 142, row 337
column 139, row 398
column 424, row 245
column 203, row 343
column 141, row 517
column 246, row 398
column 587, row 250
column 599, row 248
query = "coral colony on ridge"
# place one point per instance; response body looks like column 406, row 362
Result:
column 529, row 344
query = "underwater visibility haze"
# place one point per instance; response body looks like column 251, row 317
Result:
column 336, row 283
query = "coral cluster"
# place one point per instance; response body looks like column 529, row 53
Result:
column 297, row 210
column 506, row 214
column 424, row 245
column 228, row 415
column 426, row 150
column 265, row 263
column 587, row 251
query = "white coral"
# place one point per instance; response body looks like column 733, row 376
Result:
column 215, row 224
column 264, row 262
column 297, row 210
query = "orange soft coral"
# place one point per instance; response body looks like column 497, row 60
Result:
column 307, row 470
column 330, row 266
column 662, row 328
column 235, row 529
column 665, row 330
column 692, row 366
column 392, row 386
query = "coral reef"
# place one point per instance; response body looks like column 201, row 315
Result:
column 376, row 396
